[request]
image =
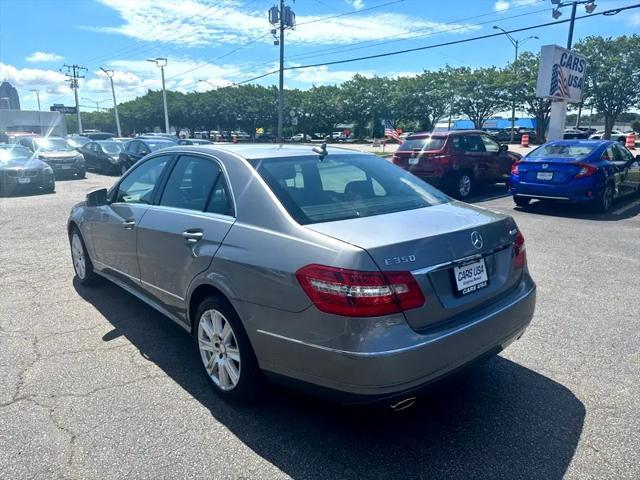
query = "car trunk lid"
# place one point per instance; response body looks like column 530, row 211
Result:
column 431, row 242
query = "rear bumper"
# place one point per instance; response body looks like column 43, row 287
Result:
column 362, row 376
column 585, row 190
column 12, row 184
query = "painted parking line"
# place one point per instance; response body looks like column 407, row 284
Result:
column 620, row 211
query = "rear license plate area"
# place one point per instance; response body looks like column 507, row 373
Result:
column 470, row 277
column 544, row 176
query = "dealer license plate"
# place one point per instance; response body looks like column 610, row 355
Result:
column 545, row 175
column 24, row 180
column 471, row 277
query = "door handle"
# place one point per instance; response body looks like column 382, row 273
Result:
column 192, row 236
column 129, row 224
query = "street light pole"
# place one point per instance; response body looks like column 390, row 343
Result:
column 516, row 44
column 37, row 92
column 109, row 73
column 281, row 76
column 161, row 63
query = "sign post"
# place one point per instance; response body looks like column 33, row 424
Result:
column 561, row 79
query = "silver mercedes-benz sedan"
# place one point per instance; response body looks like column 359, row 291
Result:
column 327, row 268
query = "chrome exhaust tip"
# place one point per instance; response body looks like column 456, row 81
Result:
column 403, row 404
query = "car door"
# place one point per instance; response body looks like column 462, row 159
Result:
column 89, row 155
column 498, row 161
column 178, row 237
column 630, row 171
column 114, row 228
column 614, row 167
column 474, row 156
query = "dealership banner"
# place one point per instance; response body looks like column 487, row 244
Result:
column 561, row 74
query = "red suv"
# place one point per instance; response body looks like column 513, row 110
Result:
column 456, row 161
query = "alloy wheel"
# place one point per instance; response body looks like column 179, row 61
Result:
column 219, row 349
column 77, row 254
column 607, row 198
column 464, row 186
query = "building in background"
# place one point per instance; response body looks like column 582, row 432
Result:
column 9, row 99
column 32, row 121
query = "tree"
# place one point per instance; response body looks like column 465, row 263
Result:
column 426, row 98
column 525, row 78
column 480, row 93
column 613, row 75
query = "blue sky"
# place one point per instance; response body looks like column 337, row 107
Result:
column 199, row 38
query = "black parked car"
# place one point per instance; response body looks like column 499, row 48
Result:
column 139, row 147
column 99, row 135
column 103, row 156
column 58, row 154
column 21, row 171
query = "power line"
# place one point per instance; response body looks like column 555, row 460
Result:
column 351, row 13
column 464, row 40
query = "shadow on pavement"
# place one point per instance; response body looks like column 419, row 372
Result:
column 621, row 209
column 498, row 420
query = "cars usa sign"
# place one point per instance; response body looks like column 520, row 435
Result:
column 561, row 74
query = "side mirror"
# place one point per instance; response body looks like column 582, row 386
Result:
column 97, row 198
column 504, row 148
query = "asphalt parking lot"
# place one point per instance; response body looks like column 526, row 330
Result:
column 95, row 384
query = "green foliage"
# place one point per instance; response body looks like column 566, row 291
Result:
column 613, row 75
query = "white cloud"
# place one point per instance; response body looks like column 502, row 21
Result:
column 194, row 23
column 43, row 57
column 323, row 76
column 501, row 6
column 26, row 78
column 356, row 4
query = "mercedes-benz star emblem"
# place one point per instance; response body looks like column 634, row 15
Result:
column 476, row 240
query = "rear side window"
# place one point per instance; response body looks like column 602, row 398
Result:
column 429, row 143
column 343, row 187
column 190, row 183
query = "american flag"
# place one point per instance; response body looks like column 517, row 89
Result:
column 389, row 131
column 559, row 86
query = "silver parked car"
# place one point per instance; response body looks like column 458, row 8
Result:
column 329, row 268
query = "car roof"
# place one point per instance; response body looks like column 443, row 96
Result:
column 259, row 151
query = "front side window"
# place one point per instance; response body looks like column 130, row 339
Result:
column 343, row 187
column 133, row 147
column 190, row 183
column 139, row 185
column 627, row 156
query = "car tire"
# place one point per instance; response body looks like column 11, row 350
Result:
column 603, row 204
column 82, row 265
column 123, row 169
column 462, row 185
column 82, row 174
column 522, row 201
column 227, row 357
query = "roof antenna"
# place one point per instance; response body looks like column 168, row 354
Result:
column 322, row 151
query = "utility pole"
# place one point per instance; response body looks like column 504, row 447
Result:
column 161, row 63
column 109, row 73
column 73, row 73
column 284, row 18
column 37, row 92
column 516, row 44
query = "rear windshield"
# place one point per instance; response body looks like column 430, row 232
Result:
column 562, row 151
column 111, row 147
column 429, row 143
column 343, row 187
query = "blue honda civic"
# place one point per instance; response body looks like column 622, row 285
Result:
column 593, row 172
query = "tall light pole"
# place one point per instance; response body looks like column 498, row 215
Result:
column 161, row 63
column 589, row 6
column 516, row 44
column 284, row 18
column 37, row 92
column 109, row 73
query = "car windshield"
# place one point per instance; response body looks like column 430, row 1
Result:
column 153, row 146
column 426, row 143
column 51, row 144
column 563, row 151
column 111, row 147
column 14, row 152
column 343, row 187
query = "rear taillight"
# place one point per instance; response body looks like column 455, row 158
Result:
column 519, row 251
column 585, row 170
column 395, row 159
column 352, row 293
column 514, row 169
